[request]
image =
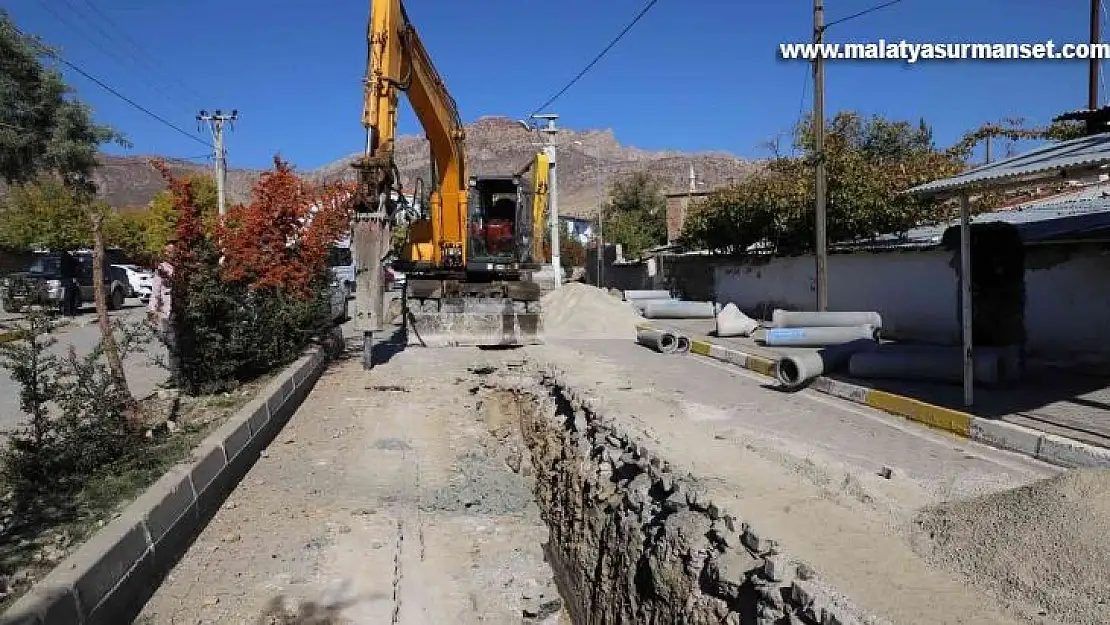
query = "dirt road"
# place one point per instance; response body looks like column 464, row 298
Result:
column 383, row 494
column 386, row 494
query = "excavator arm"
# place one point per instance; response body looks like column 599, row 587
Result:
column 446, row 301
column 398, row 61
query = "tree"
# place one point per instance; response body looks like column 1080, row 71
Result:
column 870, row 162
column 281, row 238
column 43, row 212
column 160, row 219
column 42, row 127
column 636, row 214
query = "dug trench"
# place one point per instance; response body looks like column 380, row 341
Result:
column 633, row 540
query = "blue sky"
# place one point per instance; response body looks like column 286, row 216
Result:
column 692, row 75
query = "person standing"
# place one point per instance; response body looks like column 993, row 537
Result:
column 160, row 309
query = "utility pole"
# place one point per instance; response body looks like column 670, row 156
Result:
column 217, row 121
column 1092, row 77
column 819, row 152
column 600, row 217
column 553, row 193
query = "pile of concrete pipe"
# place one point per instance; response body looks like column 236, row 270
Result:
column 661, row 305
column 937, row 363
column 663, row 341
column 840, row 335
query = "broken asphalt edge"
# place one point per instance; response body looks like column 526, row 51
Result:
column 1051, row 448
column 111, row 576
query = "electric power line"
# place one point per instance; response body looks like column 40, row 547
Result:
column 598, row 57
column 152, row 61
column 113, row 49
column 862, row 13
column 112, row 91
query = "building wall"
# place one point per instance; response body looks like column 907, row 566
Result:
column 915, row 292
column 1067, row 305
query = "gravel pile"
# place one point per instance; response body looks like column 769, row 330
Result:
column 580, row 311
column 1042, row 547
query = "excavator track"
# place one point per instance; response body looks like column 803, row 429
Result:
column 449, row 313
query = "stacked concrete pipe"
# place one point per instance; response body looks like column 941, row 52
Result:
column 840, row 335
column 663, row 341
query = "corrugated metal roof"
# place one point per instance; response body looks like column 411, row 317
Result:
column 1060, row 217
column 1084, row 153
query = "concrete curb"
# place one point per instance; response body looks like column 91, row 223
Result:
column 109, row 579
column 1057, row 450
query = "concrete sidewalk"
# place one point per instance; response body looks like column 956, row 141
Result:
column 1054, row 415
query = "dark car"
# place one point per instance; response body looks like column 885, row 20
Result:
column 60, row 280
column 51, row 279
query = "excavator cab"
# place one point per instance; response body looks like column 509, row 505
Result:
column 499, row 228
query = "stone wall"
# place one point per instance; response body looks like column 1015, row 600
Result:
column 633, row 541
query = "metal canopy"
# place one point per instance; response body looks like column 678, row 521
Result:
column 1080, row 158
column 1085, row 157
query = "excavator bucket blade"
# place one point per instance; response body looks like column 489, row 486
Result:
column 475, row 324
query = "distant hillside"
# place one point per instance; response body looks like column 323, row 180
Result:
column 495, row 145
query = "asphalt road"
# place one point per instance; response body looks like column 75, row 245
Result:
column 81, row 332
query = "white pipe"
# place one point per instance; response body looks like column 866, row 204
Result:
column 818, row 337
column 805, row 319
column 633, row 295
column 679, row 310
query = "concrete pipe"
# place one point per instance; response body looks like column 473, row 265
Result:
column 944, row 365
column 732, row 322
column 633, row 295
column 681, row 344
column 660, row 341
column 818, row 337
column 1010, row 365
column 794, row 370
column 802, row 319
column 641, row 304
column 680, row 310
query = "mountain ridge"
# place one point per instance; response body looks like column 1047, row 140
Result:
column 494, row 145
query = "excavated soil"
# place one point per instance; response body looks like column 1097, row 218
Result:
column 580, row 311
column 1047, row 543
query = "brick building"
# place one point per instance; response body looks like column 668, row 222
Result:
column 678, row 203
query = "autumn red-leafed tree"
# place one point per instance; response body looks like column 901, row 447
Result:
column 280, row 239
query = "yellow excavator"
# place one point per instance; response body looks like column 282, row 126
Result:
column 471, row 245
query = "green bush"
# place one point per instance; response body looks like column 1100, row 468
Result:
column 77, row 414
column 229, row 332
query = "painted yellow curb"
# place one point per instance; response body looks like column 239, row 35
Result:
column 8, row 337
column 915, row 410
column 699, row 347
column 937, row 417
column 760, row 365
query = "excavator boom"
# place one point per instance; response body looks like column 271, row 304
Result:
column 467, row 253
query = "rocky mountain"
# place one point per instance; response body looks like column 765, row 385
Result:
column 495, row 145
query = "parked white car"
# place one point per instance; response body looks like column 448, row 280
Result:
column 140, row 281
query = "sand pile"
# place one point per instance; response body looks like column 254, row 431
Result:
column 580, row 311
column 1042, row 547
